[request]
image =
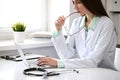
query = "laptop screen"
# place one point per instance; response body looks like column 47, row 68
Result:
column 20, row 51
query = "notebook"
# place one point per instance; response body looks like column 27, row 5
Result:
column 41, row 34
column 29, row 63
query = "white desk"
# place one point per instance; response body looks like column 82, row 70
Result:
column 10, row 70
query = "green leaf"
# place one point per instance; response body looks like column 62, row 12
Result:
column 19, row 27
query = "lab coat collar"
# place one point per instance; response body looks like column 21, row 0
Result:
column 92, row 25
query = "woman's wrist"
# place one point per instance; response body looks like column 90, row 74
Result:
column 55, row 33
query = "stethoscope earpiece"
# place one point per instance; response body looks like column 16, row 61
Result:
column 75, row 70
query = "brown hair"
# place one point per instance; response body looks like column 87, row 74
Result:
column 95, row 6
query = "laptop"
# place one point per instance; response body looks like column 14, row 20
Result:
column 29, row 63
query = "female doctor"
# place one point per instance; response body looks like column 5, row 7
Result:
column 91, row 41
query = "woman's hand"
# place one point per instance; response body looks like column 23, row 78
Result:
column 47, row 61
column 59, row 23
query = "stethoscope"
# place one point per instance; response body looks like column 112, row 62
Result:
column 67, row 30
column 45, row 73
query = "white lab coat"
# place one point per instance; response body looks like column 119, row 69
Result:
column 98, row 49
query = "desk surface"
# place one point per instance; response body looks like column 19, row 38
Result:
column 10, row 70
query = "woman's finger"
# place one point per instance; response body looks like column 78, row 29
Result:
column 42, row 61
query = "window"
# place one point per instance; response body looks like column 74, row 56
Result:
column 38, row 15
column 31, row 12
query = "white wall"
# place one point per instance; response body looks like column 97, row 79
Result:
column 113, row 8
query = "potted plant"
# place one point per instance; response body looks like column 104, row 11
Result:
column 19, row 32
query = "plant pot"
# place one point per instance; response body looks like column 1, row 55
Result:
column 19, row 37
